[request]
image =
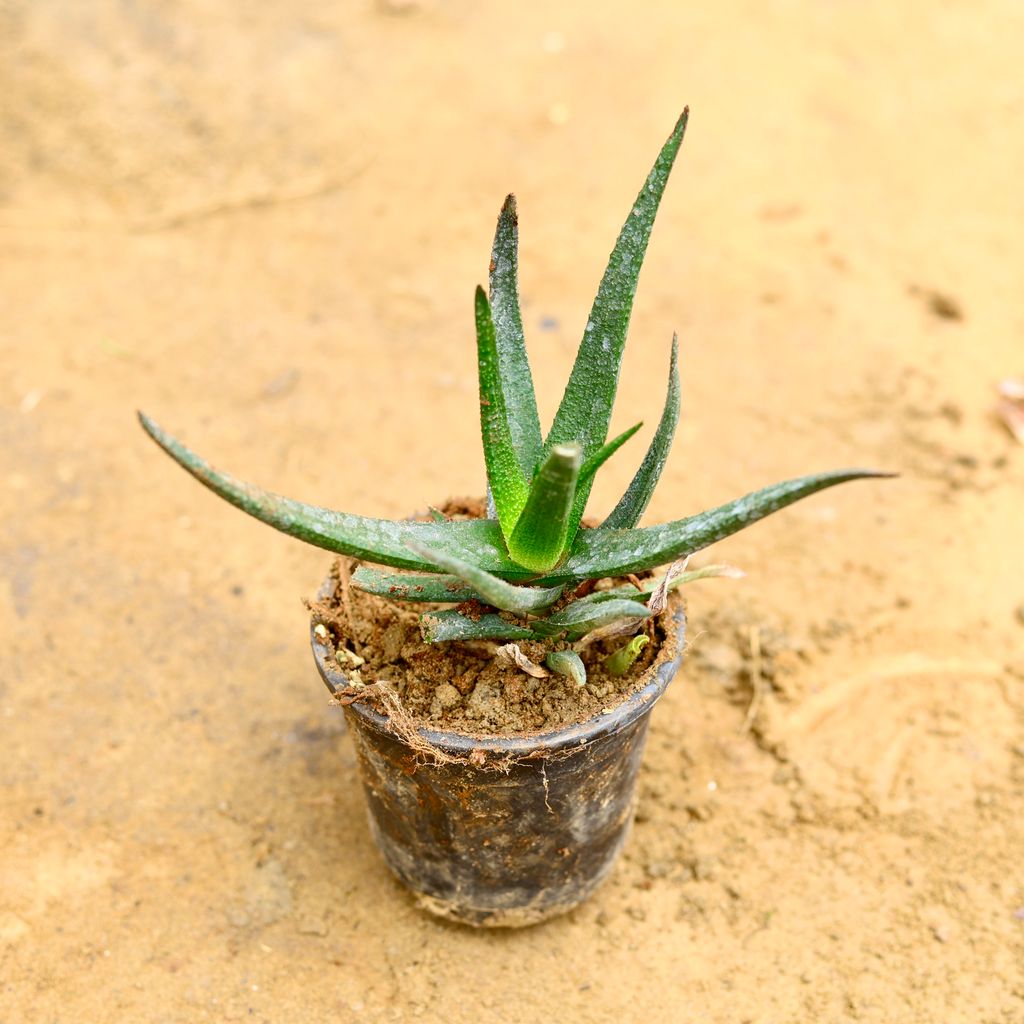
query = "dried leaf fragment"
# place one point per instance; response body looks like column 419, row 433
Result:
column 511, row 655
column 659, row 599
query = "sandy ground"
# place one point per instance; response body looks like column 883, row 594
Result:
column 263, row 224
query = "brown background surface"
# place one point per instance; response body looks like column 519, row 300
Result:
column 263, row 223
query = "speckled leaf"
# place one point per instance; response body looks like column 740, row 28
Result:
column 634, row 502
column 586, row 407
column 492, row 591
column 375, row 540
column 513, row 365
column 587, row 472
column 437, row 627
column 411, row 586
column 604, row 552
column 604, row 453
column 576, row 619
column 508, row 485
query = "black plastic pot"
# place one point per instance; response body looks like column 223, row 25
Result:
column 518, row 829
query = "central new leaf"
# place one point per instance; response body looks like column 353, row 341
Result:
column 540, row 538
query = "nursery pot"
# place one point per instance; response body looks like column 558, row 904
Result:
column 507, row 830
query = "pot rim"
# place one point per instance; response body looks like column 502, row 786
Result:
column 463, row 744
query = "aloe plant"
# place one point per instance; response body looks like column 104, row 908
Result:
column 529, row 559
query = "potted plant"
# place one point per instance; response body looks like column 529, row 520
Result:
column 499, row 732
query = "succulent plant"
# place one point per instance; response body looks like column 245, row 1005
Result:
column 528, row 562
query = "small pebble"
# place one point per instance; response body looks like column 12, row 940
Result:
column 700, row 812
column 945, row 306
column 447, row 696
column 657, row 869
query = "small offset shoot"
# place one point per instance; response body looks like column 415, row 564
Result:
column 619, row 662
column 528, row 572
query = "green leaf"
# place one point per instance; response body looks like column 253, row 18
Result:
column 602, row 552
column 567, row 663
column 375, row 540
column 508, row 485
column 618, row 663
column 632, row 504
column 539, row 540
column 493, row 591
column 649, row 586
column 578, row 619
column 590, row 467
column 412, row 586
column 586, row 407
column 437, row 627
column 600, row 457
column 513, row 366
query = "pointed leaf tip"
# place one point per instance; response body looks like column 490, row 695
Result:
column 515, row 380
column 599, row 458
column 615, row 552
column 584, row 412
column 375, row 540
